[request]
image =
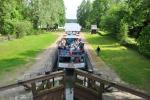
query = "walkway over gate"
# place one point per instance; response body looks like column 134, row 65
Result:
column 87, row 86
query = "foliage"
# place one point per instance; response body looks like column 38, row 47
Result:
column 18, row 14
column 139, row 16
column 8, row 28
column 123, row 32
column 43, row 12
column 114, row 22
column 144, row 41
column 122, row 19
column 139, row 22
column 84, row 14
column 98, row 10
column 22, row 28
column 90, row 13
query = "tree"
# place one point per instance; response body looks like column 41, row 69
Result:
column 113, row 22
column 99, row 9
column 139, row 16
column 19, row 13
column 144, row 41
column 84, row 14
column 45, row 12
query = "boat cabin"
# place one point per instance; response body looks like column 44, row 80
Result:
column 93, row 29
column 71, row 52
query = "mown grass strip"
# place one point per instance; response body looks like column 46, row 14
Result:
column 15, row 53
column 132, row 67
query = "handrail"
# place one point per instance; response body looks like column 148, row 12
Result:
column 85, row 74
column 20, row 83
column 113, row 84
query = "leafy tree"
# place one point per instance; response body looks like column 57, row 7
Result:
column 144, row 41
column 45, row 12
column 122, row 19
column 99, row 9
column 19, row 13
column 113, row 22
column 84, row 14
column 139, row 16
column 8, row 29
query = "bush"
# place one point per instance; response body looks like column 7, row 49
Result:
column 110, row 24
column 123, row 34
column 22, row 28
column 114, row 22
column 7, row 28
column 144, row 41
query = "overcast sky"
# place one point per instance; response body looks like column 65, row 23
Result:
column 71, row 8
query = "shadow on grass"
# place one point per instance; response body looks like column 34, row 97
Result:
column 98, row 40
column 7, row 65
column 31, row 53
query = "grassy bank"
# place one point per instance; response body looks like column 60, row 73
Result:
column 18, row 52
column 130, row 65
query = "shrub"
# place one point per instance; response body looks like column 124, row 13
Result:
column 7, row 28
column 123, row 34
column 144, row 41
column 114, row 22
column 110, row 24
column 22, row 28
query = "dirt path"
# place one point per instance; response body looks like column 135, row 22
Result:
column 99, row 66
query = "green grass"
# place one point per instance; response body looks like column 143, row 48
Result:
column 132, row 67
column 16, row 53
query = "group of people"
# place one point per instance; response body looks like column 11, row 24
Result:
column 71, row 44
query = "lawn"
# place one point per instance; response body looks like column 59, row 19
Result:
column 16, row 53
column 132, row 67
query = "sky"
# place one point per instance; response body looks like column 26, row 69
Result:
column 71, row 7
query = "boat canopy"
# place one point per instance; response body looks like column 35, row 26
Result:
column 72, row 27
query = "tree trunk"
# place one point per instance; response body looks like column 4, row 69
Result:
column 17, row 35
column 8, row 37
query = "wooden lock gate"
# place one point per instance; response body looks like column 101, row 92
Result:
column 87, row 86
column 47, row 87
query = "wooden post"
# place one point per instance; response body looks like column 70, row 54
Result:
column 34, row 88
column 89, row 83
column 84, row 81
column 101, row 90
column 48, row 84
column 64, row 83
column 53, row 82
column 75, row 76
